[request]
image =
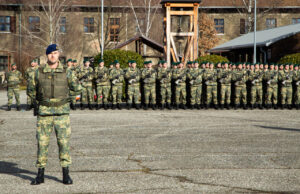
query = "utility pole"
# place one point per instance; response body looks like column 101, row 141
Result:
column 102, row 33
column 254, row 55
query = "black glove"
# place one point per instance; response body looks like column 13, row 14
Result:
column 132, row 77
column 164, row 76
column 100, row 76
column 224, row 76
column 148, row 76
column 180, row 77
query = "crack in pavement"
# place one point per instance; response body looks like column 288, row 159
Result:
column 184, row 179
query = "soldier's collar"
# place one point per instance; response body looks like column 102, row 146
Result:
column 47, row 68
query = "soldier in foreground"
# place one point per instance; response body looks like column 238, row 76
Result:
column 13, row 79
column 52, row 84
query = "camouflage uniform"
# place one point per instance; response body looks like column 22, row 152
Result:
column 149, row 80
column 256, row 78
column 179, row 75
column 133, row 77
column 117, row 77
column 225, row 77
column 297, row 92
column 29, row 74
column 240, row 78
column 164, row 76
column 103, row 85
column 72, row 94
column 85, row 76
column 271, row 78
column 210, row 78
column 286, row 79
column 196, row 77
column 52, row 95
column 13, row 79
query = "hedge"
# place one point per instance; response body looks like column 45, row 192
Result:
column 293, row 58
column 212, row 58
column 122, row 56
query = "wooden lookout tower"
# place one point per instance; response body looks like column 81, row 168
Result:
column 188, row 37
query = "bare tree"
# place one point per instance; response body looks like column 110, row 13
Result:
column 246, row 9
column 144, row 24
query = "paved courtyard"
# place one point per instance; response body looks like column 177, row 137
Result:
column 192, row 151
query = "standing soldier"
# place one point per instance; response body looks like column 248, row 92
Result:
column 72, row 94
column 164, row 76
column 29, row 74
column 179, row 75
column 240, row 78
column 195, row 77
column 286, row 79
column 297, row 83
column 85, row 77
column 256, row 78
column 13, row 79
column 149, row 80
column 225, row 76
column 133, row 77
column 102, row 83
column 210, row 77
column 52, row 85
column 117, row 77
column 271, row 77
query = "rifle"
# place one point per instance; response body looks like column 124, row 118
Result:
column 100, row 76
column 179, row 78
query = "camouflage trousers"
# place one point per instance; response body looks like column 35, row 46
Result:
column 87, row 95
column 256, row 94
column 297, row 95
column 286, row 94
column 225, row 94
column 149, row 93
column 73, row 97
column 212, row 94
column 116, row 93
column 10, row 94
column 45, row 126
column 241, row 94
column 166, row 94
column 196, row 94
column 133, row 94
column 102, row 94
column 180, row 94
column 272, row 95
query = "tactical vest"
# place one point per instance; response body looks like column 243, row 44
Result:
column 52, row 86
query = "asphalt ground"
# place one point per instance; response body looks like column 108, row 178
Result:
column 178, row 151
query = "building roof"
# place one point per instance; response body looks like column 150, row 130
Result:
column 264, row 38
column 145, row 40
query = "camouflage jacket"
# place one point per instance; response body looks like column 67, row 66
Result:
column 13, row 79
column 225, row 76
column 101, row 76
column 116, row 76
column 73, row 85
column 256, row 77
column 164, row 76
column 240, row 77
column 179, row 75
column 86, row 76
column 149, row 76
column 196, row 77
column 210, row 77
column 286, row 77
column 271, row 76
column 133, row 76
column 29, row 73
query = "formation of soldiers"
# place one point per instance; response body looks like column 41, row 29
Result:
column 196, row 86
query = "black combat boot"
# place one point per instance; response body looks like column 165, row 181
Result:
column 184, row 106
column 275, row 106
column 227, row 106
column 176, row 106
column 236, row 106
column 216, row 107
column 82, row 107
column 119, row 106
column 251, row 106
column 129, row 106
column 114, row 106
column 290, row 107
column 297, row 106
column 162, row 107
column 192, row 107
column 97, row 106
column 9, row 108
column 138, row 106
column 198, row 106
column 153, row 106
column 260, row 106
column 169, row 106
column 245, row 107
column 73, row 107
column 18, row 108
column 105, row 106
column 66, row 177
column 222, row 106
column 146, row 107
column 28, row 107
column 39, row 178
column 207, row 106
column 90, row 106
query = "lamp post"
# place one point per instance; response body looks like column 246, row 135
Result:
column 254, row 55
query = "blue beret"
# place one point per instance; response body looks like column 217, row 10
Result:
column 51, row 48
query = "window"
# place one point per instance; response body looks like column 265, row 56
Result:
column 5, row 23
column 88, row 26
column 219, row 25
column 62, row 25
column 296, row 21
column 3, row 63
column 271, row 23
column 34, row 23
column 114, row 29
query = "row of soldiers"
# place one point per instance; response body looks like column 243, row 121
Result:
column 195, row 86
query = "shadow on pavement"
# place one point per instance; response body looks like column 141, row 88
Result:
column 12, row 169
column 278, row 128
